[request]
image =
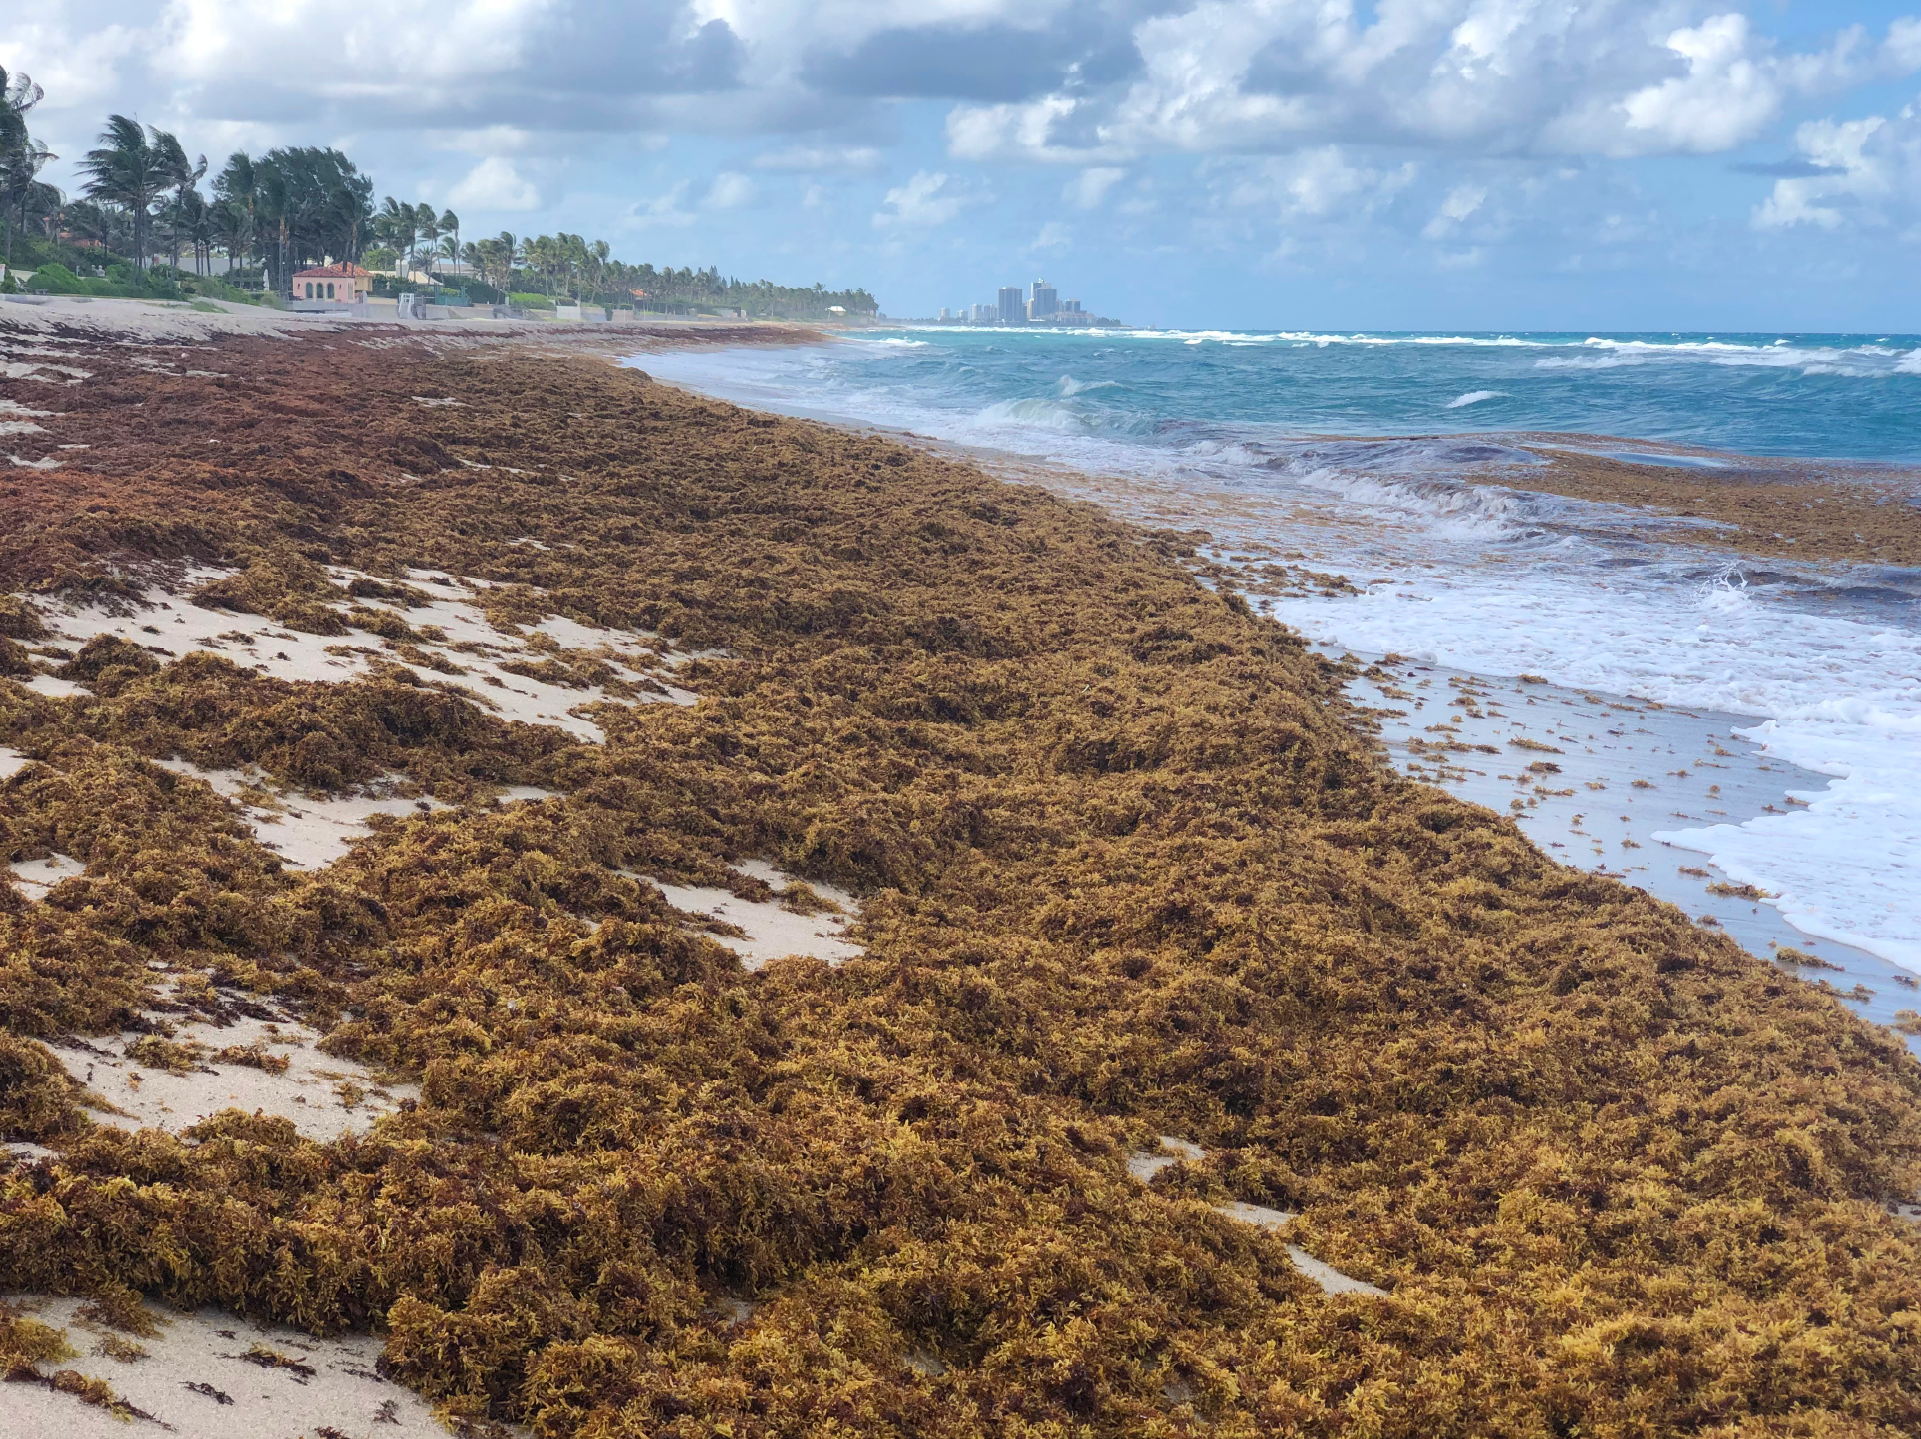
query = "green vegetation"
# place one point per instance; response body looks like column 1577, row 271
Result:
column 297, row 206
column 21, row 158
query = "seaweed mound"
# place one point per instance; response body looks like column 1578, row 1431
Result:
column 1126, row 867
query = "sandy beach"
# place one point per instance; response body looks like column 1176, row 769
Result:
column 537, row 902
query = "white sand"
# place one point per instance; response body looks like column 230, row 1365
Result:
column 37, row 876
column 307, row 833
column 1145, row 1164
column 343, row 1392
column 170, row 626
column 771, row 932
column 1331, row 1280
column 146, row 321
column 309, row 1093
column 53, row 687
column 1257, row 1214
column 11, row 763
column 526, row 794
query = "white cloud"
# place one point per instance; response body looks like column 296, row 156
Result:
column 1053, row 236
column 666, row 208
column 314, row 41
column 489, row 140
column 931, row 198
column 1865, row 173
column 1901, row 53
column 1087, row 189
column 1461, row 202
column 1023, row 131
column 494, row 184
column 849, row 159
column 1724, row 99
column 1475, row 77
column 1470, row 77
column 729, row 191
column 1317, row 184
column 74, row 70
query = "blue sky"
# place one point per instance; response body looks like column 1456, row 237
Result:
column 1487, row 164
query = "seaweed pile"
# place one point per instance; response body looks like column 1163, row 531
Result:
column 1127, row 868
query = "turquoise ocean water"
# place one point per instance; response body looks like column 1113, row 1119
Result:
column 1817, row 396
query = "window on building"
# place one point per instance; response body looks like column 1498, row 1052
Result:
column 330, row 289
column 310, row 289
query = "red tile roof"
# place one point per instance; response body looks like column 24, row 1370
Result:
column 343, row 271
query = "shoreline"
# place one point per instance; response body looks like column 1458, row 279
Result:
column 1151, row 1015
column 1243, row 535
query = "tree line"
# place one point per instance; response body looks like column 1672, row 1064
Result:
column 297, row 206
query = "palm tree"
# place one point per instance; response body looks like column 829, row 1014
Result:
column 274, row 204
column 450, row 225
column 231, row 228
column 428, row 224
column 235, row 189
column 21, row 156
column 128, row 170
column 395, row 223
column 182, row 175
column 195, row 218
column 510, row 254
column 597, row 259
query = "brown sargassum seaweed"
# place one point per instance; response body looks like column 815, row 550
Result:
column 1127, row 868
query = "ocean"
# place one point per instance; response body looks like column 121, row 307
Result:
column 1792, row 687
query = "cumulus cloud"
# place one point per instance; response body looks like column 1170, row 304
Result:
column 1087, row 189
column 1478, row 77
column 500, row 100
column 1093, row 83
column 494, row 184
column 291, row 66
column 1726, row 95
column 668, row 208
column 1858, row 173
column 1461, row 202
column 1324, row 183
column 730, row 191
column 930, row 199
column 846, row 159
column 1053, row 236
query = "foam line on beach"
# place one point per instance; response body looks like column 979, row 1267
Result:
column 1598, row 781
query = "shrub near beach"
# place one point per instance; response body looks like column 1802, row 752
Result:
column 1126, row 866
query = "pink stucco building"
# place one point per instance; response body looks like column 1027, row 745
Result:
column 344, row 283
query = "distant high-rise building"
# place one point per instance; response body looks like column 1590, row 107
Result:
column 983, row 314
column 1071, row 307
column 1045, row 302
column 946, row 314
column 1012, row 312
